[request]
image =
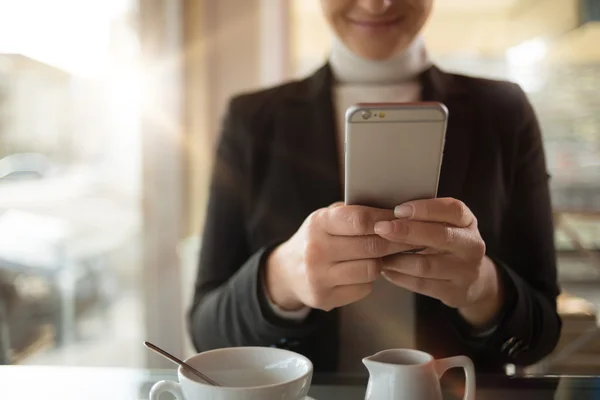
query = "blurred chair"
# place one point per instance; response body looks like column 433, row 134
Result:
column 562, row 223
column 4, row 345
column 188, row 251
column 7, row 298
column 25, row 320
column 578, row 348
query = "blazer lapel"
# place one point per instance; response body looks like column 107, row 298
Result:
column 443, row 87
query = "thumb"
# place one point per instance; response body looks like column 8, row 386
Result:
column 336, row 204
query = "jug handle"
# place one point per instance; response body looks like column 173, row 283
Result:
column 444, row 364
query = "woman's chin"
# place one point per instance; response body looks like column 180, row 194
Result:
column 378, row 48
column 374, row 53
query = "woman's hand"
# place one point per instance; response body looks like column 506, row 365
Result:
column 331, row 261
column 453, row 268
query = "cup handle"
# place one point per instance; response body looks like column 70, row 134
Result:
column 166, row 386
column 443, row 365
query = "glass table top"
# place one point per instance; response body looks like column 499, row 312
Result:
column 66, row 383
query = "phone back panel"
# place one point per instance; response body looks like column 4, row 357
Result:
column 394, row 155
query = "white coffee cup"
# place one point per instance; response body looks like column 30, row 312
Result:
column 243, row 373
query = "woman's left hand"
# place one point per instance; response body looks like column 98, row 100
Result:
column 453, row 267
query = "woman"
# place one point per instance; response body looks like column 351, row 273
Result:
column 284, row 263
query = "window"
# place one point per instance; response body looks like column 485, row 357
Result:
column 69, row 183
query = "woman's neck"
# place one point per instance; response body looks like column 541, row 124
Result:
column 347, row 67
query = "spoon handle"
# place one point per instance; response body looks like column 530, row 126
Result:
column 180, row 362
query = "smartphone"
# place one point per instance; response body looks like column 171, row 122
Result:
column 394, row 152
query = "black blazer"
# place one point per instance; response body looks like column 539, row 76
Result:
column 277, row 161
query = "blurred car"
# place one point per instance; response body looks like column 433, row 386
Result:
column 57, row 233
column 25, row 166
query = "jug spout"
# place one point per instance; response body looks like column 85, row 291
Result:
column 374, row 361
column 398, row 357
column 377, row 357
column 401, row 374
column 379, row 363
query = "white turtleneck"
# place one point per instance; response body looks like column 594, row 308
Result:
column 358, row 80
column 384, row 319
column 348, row 68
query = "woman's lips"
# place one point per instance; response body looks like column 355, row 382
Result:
column 375, row 25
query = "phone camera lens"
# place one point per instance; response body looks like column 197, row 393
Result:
column 366, row 115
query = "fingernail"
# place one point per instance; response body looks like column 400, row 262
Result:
column 403, row 211
column 384, row 227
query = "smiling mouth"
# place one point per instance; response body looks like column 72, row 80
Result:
column 376, row 24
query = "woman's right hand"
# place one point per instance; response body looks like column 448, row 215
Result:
column 332, row 260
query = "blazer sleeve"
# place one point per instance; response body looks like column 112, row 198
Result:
column 528, row 327
column 229, row 306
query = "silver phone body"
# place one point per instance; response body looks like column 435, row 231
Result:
column 393, row 152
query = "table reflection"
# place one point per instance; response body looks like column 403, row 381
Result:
column 66, row 383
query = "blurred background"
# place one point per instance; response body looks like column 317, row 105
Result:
column 109, row 110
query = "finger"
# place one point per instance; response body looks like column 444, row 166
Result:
column 441, row 267
column 355, row 272
column 415, row 250
column 345, row 248
column 343, row 295
column 336, row 204
column 445, row 210
column 430, row 250
column 463, row 242
column 353, row 220
column 424, row 250
column 429, row 287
